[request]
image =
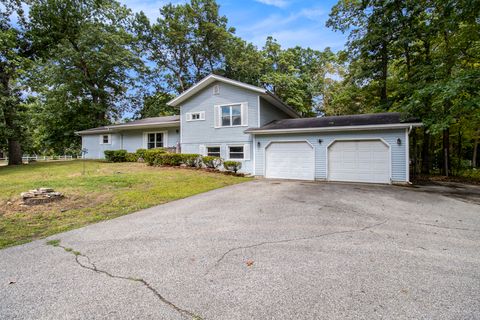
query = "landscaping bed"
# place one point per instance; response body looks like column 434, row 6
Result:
column 104, row 191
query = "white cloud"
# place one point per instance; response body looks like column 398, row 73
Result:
column 275, row 3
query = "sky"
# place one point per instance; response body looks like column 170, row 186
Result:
column 291, row 22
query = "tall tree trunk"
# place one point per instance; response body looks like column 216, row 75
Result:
column 14, row 152
column 426, row 152
column 446, row 152
column 475, row 151
column 459, row 152
column 384, row 75
column 414, row 159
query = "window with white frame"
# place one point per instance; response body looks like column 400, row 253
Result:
column 106, row 139
column 155, row 140
column 231, row 115
column 236, row 152
column 213, row 151
column 195, row 116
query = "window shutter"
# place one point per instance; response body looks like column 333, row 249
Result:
column 188, row 116
column 202, row 115
column 144, row 144
column 245, row 114
column 202, row 150
column 101, row 139
column 216, row 115
column 246, row 151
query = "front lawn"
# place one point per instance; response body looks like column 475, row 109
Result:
column 106, row 191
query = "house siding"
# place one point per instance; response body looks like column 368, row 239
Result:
column 95, row 150
column 203, row 132
column 128, row 140
column 269, row 112
column 398, row 152
column 247, row 165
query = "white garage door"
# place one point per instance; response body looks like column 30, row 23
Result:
column 290, row 160
column 362, row 161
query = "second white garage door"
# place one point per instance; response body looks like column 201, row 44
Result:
column 362, row 161
column 290, row 160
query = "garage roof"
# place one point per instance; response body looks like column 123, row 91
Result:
column 335, row 123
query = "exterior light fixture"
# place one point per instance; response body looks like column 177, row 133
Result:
column 399, row 141
column 258, row 144
column 320, row 141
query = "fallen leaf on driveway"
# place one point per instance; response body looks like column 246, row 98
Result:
column 249, row 262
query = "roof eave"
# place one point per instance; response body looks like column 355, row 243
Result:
column 117, row 128
column 339, row 128
column 282, row 105
column 207, row 81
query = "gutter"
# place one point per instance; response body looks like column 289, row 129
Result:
column 127, row 126
column 330, row 129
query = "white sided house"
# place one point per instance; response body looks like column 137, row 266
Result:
column 237, row 121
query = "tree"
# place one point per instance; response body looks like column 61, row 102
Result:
column 15, row 58
column 89, row 61
column 186, row 43
column 422, row 56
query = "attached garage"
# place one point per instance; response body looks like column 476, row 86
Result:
column 290, row 160
column 370, row 148
column 359, row 161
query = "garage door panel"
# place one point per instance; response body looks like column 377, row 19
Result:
column 290, row 160
column 362, row 161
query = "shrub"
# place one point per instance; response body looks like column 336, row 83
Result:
column 212, row 162
column 191, row 160
column 131, row 157
column 141, row 153
column 116, row 155
column 170, row 159
column 151, row 156
column 232, row 165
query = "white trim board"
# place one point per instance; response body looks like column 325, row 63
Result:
column 340, row 128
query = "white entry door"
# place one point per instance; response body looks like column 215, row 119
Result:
column 359, row 161
column 290, row 160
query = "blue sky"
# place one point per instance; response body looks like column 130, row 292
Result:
column 291, row 22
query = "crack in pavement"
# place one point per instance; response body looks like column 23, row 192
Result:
column 290, row 240
column 445, row 227
column 92, row 267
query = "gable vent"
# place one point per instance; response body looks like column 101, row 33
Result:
column 216, row 89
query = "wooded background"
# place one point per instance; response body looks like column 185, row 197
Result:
column 69, row 65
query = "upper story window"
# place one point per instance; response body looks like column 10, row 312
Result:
column 106, row 139
column 195, row 116
column 231, row 115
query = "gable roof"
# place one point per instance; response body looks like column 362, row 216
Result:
column 208, row 80
column 335, row 123
column 167, row 121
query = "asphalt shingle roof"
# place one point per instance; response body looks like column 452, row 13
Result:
column 338, row 121
column 140, row 122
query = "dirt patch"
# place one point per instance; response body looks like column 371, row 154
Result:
column 67, row 203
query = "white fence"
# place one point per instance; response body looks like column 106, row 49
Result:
column 42, row 158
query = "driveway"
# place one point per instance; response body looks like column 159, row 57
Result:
column 261, row 250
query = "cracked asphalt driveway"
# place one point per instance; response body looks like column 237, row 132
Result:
column 261, row 250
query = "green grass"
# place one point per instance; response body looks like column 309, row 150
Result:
column 106, row 191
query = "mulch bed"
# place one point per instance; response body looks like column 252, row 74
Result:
column 421, row 179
